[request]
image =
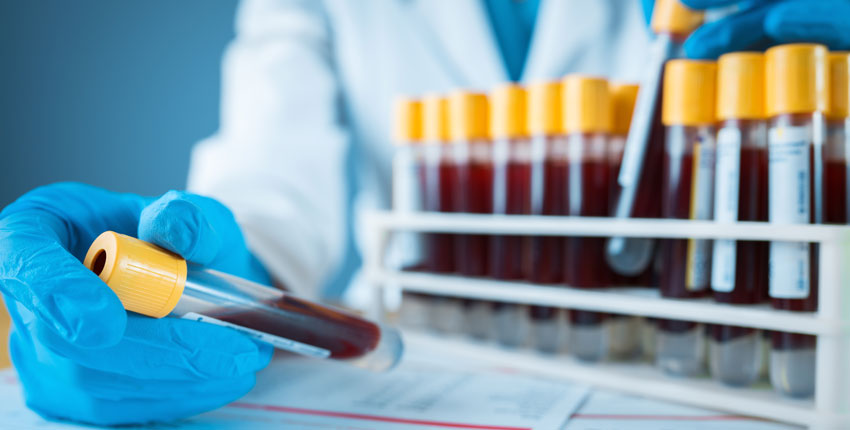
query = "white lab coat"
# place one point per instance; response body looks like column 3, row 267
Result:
column 308, row 91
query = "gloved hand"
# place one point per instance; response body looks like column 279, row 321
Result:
column 763, row 23
column 78, row 353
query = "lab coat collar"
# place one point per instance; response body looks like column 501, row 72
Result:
column 555, row 47
column 460, row 34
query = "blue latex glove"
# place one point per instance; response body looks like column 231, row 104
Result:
column 763, row 23
column 78, row 353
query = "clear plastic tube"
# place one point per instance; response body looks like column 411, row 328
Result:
column 836, row 179
column 584, row 263
column 406, row 249
column 285, row 321
column 546, row 253
column 687, row 193
column 439, row 190
column 795, row 146
column 639, row 177
column 548, row 180
column 154, row 282
column 511, row 195
column 739, row 269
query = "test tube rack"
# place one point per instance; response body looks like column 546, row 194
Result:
column 828, row 409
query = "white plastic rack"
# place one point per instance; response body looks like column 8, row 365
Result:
column 830, row 407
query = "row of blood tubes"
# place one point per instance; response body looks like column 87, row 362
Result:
column 751, row 137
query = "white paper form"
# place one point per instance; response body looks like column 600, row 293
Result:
column 604, row 410
column 310, row 394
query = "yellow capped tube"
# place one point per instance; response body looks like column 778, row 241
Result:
column 688, row 111
column 623, row 97
column 407, row 124
column 797, row 88
column 544, row 108
column 739, row 184
column 407, row 185
column 673, row 17
column 435, row 119
column 839, row 90
column 469, row 114
column 509, row 191
column 154, row 282
column 587, row 121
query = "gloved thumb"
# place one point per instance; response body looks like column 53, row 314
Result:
column 38, row 272
column 196, row 227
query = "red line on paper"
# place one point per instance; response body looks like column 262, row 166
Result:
column 315, row 412
column 664, row 417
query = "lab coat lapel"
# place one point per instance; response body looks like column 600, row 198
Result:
column 459, row 33
column 555, row 48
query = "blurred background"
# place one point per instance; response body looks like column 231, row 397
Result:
column 111, row 93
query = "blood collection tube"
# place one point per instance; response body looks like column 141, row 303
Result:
column 438, row 178
column 739, row 268
column 511, row 196
column 406, row 249
column 624, row 329
column 154, row 282
column 587, row 123
column 548, row 194
column 439, row 184
column 835, row 198
column 797, row 97
column 469, row 117
column 688, row 112
column 639, row 178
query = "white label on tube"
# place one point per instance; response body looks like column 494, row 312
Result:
column 789, row 203
column 699, row 250
column 728, row 174
column 276, row 341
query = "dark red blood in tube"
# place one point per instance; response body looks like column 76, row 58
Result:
column 546, row 255
column 439, row 184
column 343, row 334
column 751, row 258
column 585, row 265
column 835, row 190
column 506, row 258
column 474, row 195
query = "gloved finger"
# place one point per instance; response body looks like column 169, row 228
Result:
column 202, row 230
column 826, row 22
column 712, row 4
column 708, row 4
column 110, row 386
column 169, row 348
column 92, row 410
column 38, row 272
column 57, row 387
column 737, row 32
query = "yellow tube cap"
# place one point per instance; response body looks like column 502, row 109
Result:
column 509, row 112
column 671, row 16
column 839, row 90
column 587, row 105
column 740, row 86
column 468, row 116
column 689, row 93
column 146, row 278
column 435, row 118
column 623, row 97
column 544, row 108
column 407, row 120
column 796, row 79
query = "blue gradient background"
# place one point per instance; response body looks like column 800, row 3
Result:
column 108, row 92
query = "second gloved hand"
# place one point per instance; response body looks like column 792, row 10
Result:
column 763, row 23
column 78, row 353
